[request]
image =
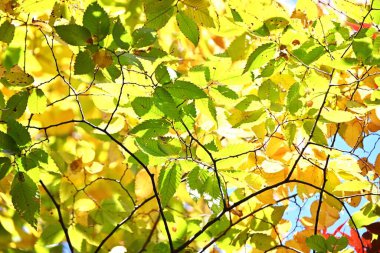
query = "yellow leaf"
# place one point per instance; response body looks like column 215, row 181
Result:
column 328, row 215
column 354, row 185
column 352, row 133
column 338, row 116
column 94, row 168
column 143, row 185
column 84, row 205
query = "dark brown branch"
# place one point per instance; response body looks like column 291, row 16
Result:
column 60, row 217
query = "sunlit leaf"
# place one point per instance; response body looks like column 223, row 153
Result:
column 158, row 13
column 168, row 182
column 261, row 56
column 188, row 27
column 37, row 101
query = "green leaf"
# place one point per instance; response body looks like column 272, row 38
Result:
column 38, row 155
column 293, row 102
column 5, row 165
column 83, row 63
column 262, row 241
column 26, row 198
column 313, row 55
column 265, row 219
column 120, row 36
column 143, row 37
column 158, row 13
column 165, row 103
column 168, row 182
column 362, row 48
column 37, row 101
column 96, row 20
column 156, row 147
column 317, row 243
column 7, row 32
column 290, row 133
column 7, row 144
column 188, row 27
column 18, row 132
column 318, row 136
column 185, row 90
column 142, row 105
column 130, row 60
column 26, row 163
column 261, row 56
column 16, row 106
column 274, row 66
column 75, row 35
column 227, row 92
column 151, row 128
column 196, row 180
column 162, row 74
column 269, row 90
column 368, row 214
column 2, row 101
column 336, row 244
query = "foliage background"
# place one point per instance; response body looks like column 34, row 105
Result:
column 191, row 125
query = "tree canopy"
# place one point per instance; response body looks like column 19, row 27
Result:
column 189, row 126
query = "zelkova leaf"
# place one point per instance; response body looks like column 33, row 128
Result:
column 37, row 101
column 26, row 198
column 8, row 144
column 227, row 92
column 16, row 106
column 185, row 90
column 5, row 166
column 293, row 102
column 156, row 147
column 196, row 180
column 75, row 35
column 261, row 56
column 142, row 105
column 96, row 20
column 7, row 31
column 158, row 13
column 120, row 35
column 165, row 102
column 168, row 182
column 152, row 128
column 188, row 27
column 18, row 132
column 143, row 37
column 84, row 63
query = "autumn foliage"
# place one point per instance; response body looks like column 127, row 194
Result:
column 189, row 126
